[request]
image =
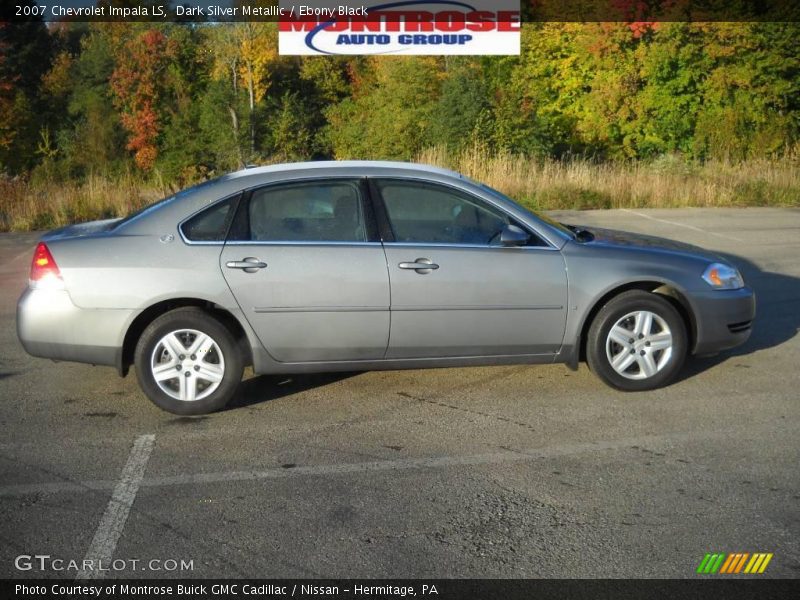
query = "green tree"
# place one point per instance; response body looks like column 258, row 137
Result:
column 183, row 156
column 292, row 138
column 26, row 50
column 93, row 139
column 461, row 113
column 394, row 116
column 750, row 104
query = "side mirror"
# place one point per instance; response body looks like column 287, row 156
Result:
column 513, row 236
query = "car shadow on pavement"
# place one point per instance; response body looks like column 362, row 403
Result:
column 777, row 314
column 265, row 388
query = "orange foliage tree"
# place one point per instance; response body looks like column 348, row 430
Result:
column 138, row 84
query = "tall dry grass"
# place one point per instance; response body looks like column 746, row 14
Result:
column 539, row 184
column 26, row 206
column 665, row 183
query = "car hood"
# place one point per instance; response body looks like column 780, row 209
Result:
column 79, row 230
column 626, row 239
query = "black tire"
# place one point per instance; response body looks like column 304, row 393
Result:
column 230, row 363
column 668, row 365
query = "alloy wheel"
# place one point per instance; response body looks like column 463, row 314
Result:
column 639, row 345
column 187, row 364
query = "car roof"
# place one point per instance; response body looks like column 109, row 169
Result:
column 343, row 165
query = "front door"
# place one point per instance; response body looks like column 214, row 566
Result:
column 455, row 290
column 302, row 264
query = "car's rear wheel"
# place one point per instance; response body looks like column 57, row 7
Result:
column 637, row 341
column 188, row 363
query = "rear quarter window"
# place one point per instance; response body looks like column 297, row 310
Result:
column 211, row 224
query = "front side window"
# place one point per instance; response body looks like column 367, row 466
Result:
column 320, row 211
column 427, row 213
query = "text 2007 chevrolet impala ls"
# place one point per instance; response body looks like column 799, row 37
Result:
column 355, row 266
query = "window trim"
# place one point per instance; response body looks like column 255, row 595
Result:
column 236, row 198
column 387, row 231
column 296, row 243
column 370, row 226
column 379, row 231
column 546, row 247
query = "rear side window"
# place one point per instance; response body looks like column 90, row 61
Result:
column 319, row 211
column 211, row 224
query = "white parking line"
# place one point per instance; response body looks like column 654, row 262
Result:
column 119, row 507
column 676, row 224
column 434, row 462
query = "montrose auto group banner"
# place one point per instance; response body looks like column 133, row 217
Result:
column 400, row 27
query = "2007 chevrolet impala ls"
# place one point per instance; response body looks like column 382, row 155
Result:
column 354, row 266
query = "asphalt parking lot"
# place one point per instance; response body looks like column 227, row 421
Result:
column 522, row 471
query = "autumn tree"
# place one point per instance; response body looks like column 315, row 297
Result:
column 188, row 100
column 138, row 84
column 243, row 54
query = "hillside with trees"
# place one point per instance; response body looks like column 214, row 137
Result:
column 112, row 108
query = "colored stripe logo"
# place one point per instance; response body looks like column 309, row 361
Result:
column 734, row 563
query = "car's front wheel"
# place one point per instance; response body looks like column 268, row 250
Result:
column 637, row 341
column 187, row 362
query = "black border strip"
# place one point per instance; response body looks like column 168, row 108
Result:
column 641, row 11
column 446, row 589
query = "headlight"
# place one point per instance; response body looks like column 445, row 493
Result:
column 723, row 277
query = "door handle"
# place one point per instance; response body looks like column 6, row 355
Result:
column 248, row 265
column 423, row 266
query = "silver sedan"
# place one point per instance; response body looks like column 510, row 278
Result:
column 354, row 266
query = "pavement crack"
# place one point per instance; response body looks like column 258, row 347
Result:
column 479, row 413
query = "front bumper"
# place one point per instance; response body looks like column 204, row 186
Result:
column 723, row 319
column 49, row 325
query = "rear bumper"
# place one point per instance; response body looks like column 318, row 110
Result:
column 49, row 325
column 723, row 319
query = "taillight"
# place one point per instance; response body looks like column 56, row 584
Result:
column 44, row 270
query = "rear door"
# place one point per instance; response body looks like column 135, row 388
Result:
column 305, row 265
column 455, row 290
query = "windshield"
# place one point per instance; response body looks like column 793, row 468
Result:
column 553, row 223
